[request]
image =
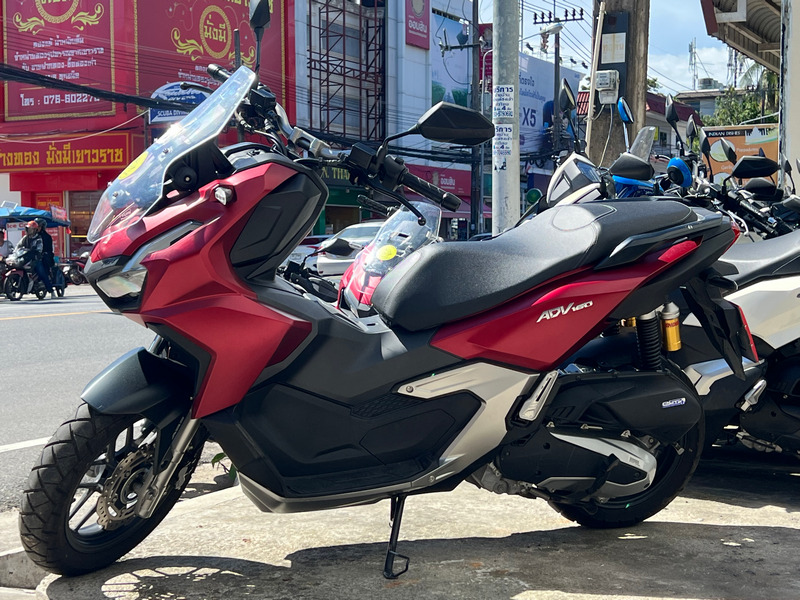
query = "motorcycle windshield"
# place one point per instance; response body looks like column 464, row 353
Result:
column 141, row 185
column 643, row 143
column 399, row 236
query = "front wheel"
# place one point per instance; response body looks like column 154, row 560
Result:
column 14, row 286
column 78, row 511
column 676, row 464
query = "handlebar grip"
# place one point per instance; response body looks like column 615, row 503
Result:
column 219, row 73
column 446, row 200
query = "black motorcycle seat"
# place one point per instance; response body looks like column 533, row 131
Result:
column 449, row 281
column 747, row 262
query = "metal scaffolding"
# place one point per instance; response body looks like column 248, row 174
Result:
column 346, row 67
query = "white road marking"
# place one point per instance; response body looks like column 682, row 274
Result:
column 23, row 445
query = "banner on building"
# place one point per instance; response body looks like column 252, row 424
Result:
column 178, row 40
column 418, row 22
column 747, row 140
column 70, row 40
column 536, row 87
column 450, row 70
column 103, row 151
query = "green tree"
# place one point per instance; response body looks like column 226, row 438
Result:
column 652, row 84
column 764, row 83
column 734, row 107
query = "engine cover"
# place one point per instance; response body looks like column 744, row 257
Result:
column 568, row 462
column 656, row 404
column 584, row 442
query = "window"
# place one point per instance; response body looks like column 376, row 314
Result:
column 340, row 111
column 336, row 38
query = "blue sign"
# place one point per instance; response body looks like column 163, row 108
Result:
column 174, row 93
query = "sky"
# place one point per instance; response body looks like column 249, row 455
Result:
column 673, row 26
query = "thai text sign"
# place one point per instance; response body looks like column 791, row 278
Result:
column 418, row 23
column 178, row 40
column 69, row 40
column 105, row 151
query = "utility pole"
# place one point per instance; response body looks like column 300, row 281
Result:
column 623, row 43
column 554, row 25
column 476, row 188
column 505, row 116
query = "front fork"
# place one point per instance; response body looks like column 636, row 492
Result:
column 157, row 482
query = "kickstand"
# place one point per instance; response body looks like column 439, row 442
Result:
column 396, row 514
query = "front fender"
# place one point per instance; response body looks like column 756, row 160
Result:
column 139, row 383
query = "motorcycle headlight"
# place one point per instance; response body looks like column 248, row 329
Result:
column 124, row 283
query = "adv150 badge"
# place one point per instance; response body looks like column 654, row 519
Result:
column 563, row 310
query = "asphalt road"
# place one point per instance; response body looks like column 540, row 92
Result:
column 49, row 351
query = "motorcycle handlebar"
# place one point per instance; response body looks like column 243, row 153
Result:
column 446, row 200
column 218, row 73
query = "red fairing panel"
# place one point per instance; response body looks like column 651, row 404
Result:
column 192, row 288
column 541, row 328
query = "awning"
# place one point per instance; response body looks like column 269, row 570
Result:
column 27, row 213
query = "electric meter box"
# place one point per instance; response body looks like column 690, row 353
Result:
column 607, row 86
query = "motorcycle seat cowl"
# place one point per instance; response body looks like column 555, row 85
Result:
column 446, row 282
column 747, row 262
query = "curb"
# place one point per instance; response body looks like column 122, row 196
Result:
column 16, row 594
column 18, row 571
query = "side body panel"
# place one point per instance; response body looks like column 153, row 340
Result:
column 539, row 329
column 200, row 296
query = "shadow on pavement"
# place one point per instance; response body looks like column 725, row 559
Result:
column 739, row 476
column 652, row 560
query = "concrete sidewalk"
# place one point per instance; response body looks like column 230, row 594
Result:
column 734, row 533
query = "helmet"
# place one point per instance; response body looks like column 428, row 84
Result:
column 31, row 225
column 41, row 223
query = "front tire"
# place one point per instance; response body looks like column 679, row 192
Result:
column 672, row 474
column 13, row 287
column 77, row 513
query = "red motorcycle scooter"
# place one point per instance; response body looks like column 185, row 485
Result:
column 473, row 369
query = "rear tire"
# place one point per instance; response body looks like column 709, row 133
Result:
column 672, row 474
column 77, row 513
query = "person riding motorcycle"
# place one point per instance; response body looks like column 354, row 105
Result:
column 48, row 258
column 32, row 240
column 6, row 248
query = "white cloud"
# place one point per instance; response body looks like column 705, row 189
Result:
column 712, row 62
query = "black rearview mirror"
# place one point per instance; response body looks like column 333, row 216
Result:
column 787, row 167
column 691, row 129
column 259, row 14
column 566, row 98
column 454, row 124
column 705, row 145
column 671, row 112
column 337, row 247
column 729, row 150
column 705, row 149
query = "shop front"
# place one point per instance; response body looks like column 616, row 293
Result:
column 342, row 208
column 68, row 176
